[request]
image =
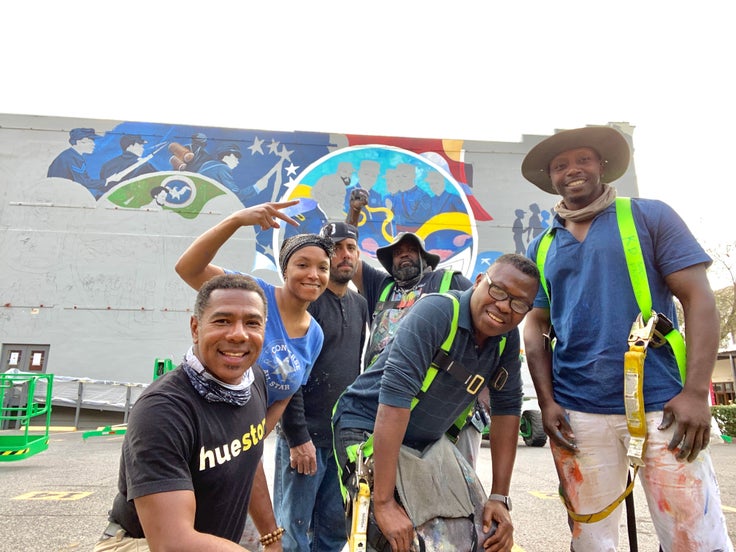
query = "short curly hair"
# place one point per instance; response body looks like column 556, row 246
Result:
column 227, row 281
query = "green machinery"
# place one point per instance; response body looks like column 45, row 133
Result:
column 19, row 437
column 160, row 367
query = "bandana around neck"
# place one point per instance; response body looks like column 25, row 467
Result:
column 212, row 389
column 589, row 211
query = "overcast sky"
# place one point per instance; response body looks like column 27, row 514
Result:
column 476, row 70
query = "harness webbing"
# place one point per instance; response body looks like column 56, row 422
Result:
column 639, row 281
column 637, row 274
column 640, row 286
column 444, row 285
column 434, row 369
column 634, row 257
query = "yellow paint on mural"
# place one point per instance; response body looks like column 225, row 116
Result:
column 454, row 220
column 728, row 509
column 53, row 495
column 453, row 149
column 301, row 190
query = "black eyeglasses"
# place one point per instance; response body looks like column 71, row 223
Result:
column 499, row 294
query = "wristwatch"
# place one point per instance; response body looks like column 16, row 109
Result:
column 501, row 498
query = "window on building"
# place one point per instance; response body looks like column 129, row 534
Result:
column 724, row 392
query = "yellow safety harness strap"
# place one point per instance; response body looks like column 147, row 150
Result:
column 605, row 512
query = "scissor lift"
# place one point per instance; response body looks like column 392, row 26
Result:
column 18, row 409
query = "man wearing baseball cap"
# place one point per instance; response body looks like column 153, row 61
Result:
column 579, row 378
column 308, row 503
column 71, row 163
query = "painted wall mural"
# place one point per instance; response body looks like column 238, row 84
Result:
column 95, row 213
column 177, row 168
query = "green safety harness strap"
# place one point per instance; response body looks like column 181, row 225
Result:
column 444, row 285
column 640, row 286
column 544, row 244
column 440, row 362
column 637, row 274
column 639, row 281
column 634, row 257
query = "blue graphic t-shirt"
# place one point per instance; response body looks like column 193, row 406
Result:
column 286, row 361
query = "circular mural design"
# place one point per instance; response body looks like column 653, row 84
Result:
column 407, row 192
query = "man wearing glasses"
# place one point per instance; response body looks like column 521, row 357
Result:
column 382, row 401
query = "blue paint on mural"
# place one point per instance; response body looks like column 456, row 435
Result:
column 180, row 168
column 406, row 193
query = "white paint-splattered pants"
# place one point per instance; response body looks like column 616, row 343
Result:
column 683, row 498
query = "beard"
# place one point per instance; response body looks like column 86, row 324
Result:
column 341, row 276
column 406, row 273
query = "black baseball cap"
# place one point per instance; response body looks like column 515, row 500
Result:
column 338, row 231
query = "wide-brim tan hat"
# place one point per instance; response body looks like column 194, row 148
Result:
column 610, row 144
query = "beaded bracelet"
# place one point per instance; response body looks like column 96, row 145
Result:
column 272, row 537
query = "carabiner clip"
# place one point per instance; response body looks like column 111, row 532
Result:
column 641, row 334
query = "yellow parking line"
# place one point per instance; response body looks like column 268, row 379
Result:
column 53, row 495
column 56, row 429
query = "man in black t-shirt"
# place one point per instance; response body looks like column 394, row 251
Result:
column 195, row 435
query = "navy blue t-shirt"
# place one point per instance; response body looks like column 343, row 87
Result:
column 593, row 305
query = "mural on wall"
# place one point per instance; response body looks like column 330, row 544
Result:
column 95, row 214
column 406, row 193
column 414, row 185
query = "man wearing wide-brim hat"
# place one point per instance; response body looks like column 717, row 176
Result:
column 589, row 304
column 410, row 271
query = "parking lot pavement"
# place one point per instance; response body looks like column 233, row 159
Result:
column 57, row 500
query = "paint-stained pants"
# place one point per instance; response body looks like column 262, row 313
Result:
column 683, row 498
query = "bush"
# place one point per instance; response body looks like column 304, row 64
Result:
column 725, row 418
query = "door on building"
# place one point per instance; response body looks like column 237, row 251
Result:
column 25, row 357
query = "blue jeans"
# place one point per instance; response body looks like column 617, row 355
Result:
column 309, row 507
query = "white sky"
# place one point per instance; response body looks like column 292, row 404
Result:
column 477, row 70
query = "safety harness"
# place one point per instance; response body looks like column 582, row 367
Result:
column 388, row 313
column 360, row 462
column 649, row 329
column 444, row 285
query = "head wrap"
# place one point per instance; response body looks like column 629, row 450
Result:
column 294, row 243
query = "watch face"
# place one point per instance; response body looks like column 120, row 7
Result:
column 508, row 503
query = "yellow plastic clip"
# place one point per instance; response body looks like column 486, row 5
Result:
column 358, row 540
column 639, row 339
